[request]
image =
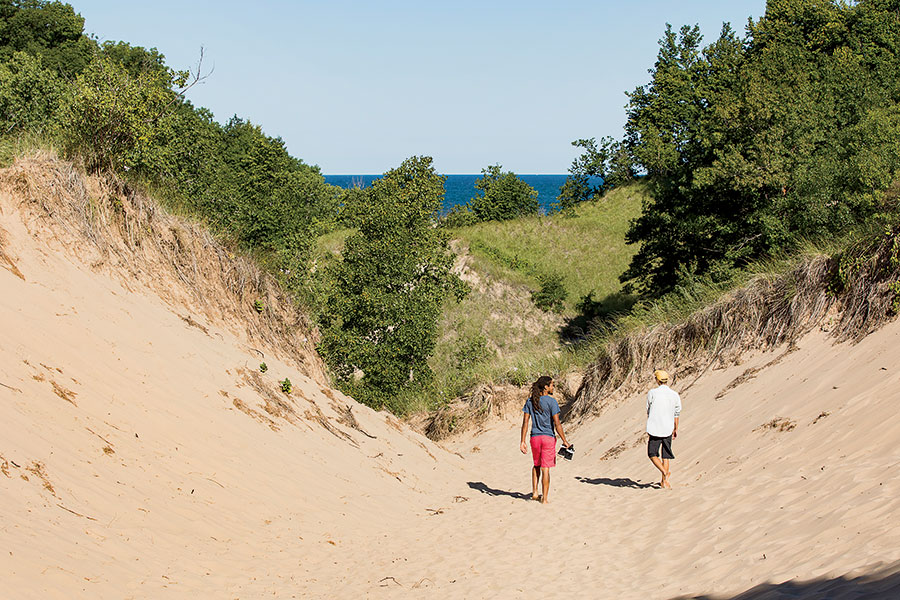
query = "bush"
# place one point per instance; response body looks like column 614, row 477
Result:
column 29, row 94
column 552, row 295
column 470, row 351
column 113, row 120
column 503, row 196
column 286, row 386
column 458, row 216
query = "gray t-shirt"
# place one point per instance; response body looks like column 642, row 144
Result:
column 542, row 422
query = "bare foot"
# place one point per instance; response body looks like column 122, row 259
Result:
column 535, row 497
column 545, row 501
column 665, row 482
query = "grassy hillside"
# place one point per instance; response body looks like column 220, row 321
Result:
column 587, row 249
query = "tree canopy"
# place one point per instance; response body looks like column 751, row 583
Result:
column 752, row 143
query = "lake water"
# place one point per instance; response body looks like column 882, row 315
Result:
column 459, row 189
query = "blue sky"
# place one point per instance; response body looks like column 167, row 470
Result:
column 356, row 87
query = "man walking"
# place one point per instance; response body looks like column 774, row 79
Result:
column 663, row 410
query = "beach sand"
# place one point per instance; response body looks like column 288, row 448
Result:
column 144, row 455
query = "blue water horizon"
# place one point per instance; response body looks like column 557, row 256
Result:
column 460, row 188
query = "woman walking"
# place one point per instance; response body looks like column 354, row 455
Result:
column 542, row 413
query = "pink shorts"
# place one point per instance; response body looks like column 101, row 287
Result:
column 543, row 449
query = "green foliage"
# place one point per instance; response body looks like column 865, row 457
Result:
column 470, row 350
column 379, row 325
column 753, row 144
column 29, row 94
column 51, row 31
column 259, row 306
column 116, row 121
column 458, row 216
column 597, row 170
column 286, row 385
column 552, row 294
column 135, row 59
column 503, row 196
column 263, row 367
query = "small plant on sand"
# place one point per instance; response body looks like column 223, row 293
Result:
column 263, row 367
column 258, row 306
column 286, row 386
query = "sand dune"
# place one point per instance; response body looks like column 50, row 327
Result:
column 144, row 455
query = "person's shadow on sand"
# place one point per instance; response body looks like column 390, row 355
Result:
column 484, row 489
column 620, row 482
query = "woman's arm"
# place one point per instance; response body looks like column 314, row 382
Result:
column 558, row 426
column 526, row 420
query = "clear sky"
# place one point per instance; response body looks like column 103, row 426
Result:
column 355, row 87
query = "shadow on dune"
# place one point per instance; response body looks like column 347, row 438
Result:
column 619, row 482
column 485, row 489
column 882, row 584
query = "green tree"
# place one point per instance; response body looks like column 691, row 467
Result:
column 596, row 170
column 503, row 196
column 380, row 324
column 52, row 31
column 29, row 94
column 751, row 144
column 135, row 59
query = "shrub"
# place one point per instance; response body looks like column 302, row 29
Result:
column 263, row 367
column 470, row 351
column 458, row 216
column 286, row 386
column 29, row 94
column 390, row 286
column 552, row 295
column 113, row 120
column 503, row 196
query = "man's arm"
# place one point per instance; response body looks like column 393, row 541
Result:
column 526, row 420
column 675, row 431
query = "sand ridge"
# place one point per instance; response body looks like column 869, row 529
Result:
column 144, row 455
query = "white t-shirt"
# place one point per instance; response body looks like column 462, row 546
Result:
column 663, row 407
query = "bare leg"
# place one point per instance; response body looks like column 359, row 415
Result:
column 663, row 468
column 535, row 478
column 545, row 485
column 665, row 463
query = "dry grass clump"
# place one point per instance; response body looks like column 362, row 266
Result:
column 114, row 228
column 470, row 410
column 781, row 424
column 869, row 285
column 862, row 287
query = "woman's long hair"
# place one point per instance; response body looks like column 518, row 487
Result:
column 537, row 390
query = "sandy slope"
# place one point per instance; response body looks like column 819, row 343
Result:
column 143, row 456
